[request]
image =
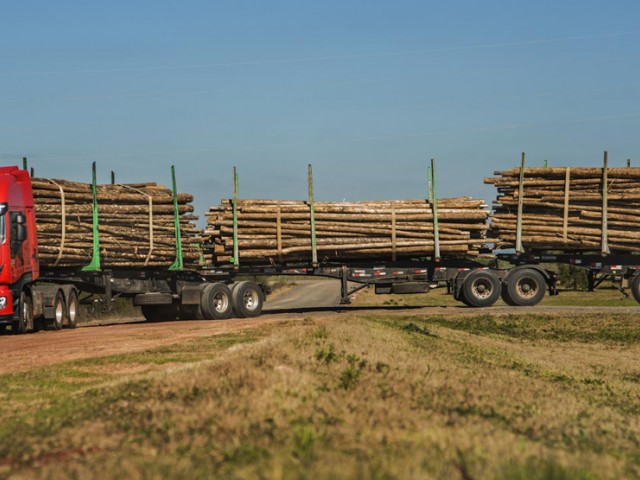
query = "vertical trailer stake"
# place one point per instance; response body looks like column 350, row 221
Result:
column 434, row 209
column 24, row 163
column 178, row 263
column 519, row 248
column 94, row 266
column 234, row 204
column 605, row 180
column 113, row 177
column 312, row 208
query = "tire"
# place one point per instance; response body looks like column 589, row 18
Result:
column 25, row 315
column 525, row 287
column 506, row 298
column 635, row 287
column 247, row 299
column 481, row 288
column 216, row 302
column 73, row 309
column 190, row 312
column 59, row 311
column 159, row 313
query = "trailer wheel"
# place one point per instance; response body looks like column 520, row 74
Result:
column 59, row 311
column 73, row 309
column 159, row 313
column 25, row 315
column 481, row 288
column 248, row 299
column 216, row 302
column 524, row 288
column 635, row 287
column 191, row 312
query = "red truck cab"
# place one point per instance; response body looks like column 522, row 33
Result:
column 19, row 266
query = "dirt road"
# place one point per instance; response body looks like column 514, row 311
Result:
column 310, row 299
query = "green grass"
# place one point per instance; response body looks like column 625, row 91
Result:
column 349, row 396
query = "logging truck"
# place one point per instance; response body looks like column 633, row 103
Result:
column 33, row 293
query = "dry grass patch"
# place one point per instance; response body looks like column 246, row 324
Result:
column 344, row 397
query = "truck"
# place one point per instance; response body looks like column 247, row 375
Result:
column 32, row 295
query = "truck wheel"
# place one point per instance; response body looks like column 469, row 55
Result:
column 73, row 309
column 481, row 288
column 506, row 298
column 25, row 316
column 248, row 299
column 59, row 311
column 190, row 312
column 525, row 287
column 216, row 302
column 635, row 287
column 159, row 313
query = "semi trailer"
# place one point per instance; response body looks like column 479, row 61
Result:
column 32, row 294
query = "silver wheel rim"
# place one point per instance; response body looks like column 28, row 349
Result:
column 220, row 302
column 72, row 311
column 526, row 287
column 250, row 299
column 482, row 288
column 25, row 313
column 59, row 312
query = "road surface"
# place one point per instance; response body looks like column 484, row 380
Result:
column 308, row 300
column 307, row 294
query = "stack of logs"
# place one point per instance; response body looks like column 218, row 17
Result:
column 277, row 231
column 563, row 209
column 135, row 222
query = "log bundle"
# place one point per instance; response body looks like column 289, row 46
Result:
column 567, row 209
column 277, row 231
column 136, row 224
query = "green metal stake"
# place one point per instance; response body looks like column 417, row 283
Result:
column 545, row 164
column 177, row 264
column 24, row 163
column 434, row 208
column 236, row 192
column 430, row 184
column 314, row 245
column 113, row 177
column 519, row 248
column 94, row 266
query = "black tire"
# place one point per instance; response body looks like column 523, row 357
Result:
column 73, row 309
column 159, row 313
column 506, row 298
column 635, row 287
column 247, row 299
column 481, row 288
column 190, row 312
column 525, row 287
column 25, row 315
column 59, row 311
column 216, row 302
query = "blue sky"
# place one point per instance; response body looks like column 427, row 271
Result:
column 365, row 91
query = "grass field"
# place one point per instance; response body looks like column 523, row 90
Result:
column 342, row 396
